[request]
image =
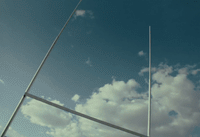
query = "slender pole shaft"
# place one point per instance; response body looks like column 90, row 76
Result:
column 37, row 72
column 149, row 105
column 83, row 115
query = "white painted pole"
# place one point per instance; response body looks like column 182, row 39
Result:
column 149, row 105
column 34, row 77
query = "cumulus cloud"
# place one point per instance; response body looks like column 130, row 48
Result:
column 175, row 108
column 75, row 98
column 83, row 13
column 89, row 62
column 141, row 53
column 114, row 103
column 71, row 130
column 123, row 106
column 178, row 94
column 44, row 115
column 1, row 81
column 59, row 122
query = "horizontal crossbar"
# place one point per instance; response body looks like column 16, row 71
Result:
column 83, row 115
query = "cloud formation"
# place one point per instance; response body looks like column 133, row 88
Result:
column 83, row 13
column 185, row 70
column 59, row 122
column 45, row 115
column 80, row 13
column 141, row 53
column 141, row 73
column 175, row 108
column 75, row 98
column 194, row 72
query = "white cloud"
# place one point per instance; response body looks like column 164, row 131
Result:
column 59, row 122
column 82, row 13
column 46, row 115
column 183, row 71
column 89, row 62
column 194, row 72
column 108, row 105
column 187, row 70
column 75, row 98
column 143, row 71
column 146, row 70
column 174, row 93
column 119, row 103
column 1, row 81
column 71, row 130
column 141, row 53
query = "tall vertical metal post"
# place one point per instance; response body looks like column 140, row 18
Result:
column 149, row 105
column 34, row 77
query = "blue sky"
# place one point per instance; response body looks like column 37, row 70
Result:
column 99, row 66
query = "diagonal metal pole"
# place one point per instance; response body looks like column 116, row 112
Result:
column 83, row 115
column 149, row 105
column 37, row 72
